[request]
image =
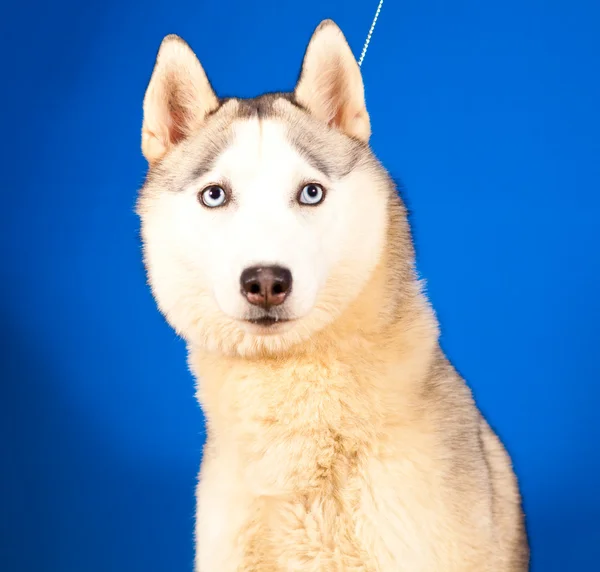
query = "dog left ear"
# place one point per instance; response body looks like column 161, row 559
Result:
column 330, row 84
column 178, row 98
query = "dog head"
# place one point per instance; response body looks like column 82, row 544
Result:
column 263, row 219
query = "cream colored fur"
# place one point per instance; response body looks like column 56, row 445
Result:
column 344, row 439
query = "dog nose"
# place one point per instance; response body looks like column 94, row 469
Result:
column 266, row 286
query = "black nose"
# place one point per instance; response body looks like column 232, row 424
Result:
column 266, row 286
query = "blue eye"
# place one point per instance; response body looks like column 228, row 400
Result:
column 213, row 196
column 312, row 194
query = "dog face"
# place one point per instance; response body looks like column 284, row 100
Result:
column 263, row 219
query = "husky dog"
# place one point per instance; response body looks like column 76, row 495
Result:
column 339, row 435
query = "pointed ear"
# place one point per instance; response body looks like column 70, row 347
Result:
column 330, row 84
column 177, row 100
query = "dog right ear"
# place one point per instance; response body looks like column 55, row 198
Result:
column 178, row 98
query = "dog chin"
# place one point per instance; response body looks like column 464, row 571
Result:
column 261, row 339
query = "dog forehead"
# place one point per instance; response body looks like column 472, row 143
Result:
column 259, row 147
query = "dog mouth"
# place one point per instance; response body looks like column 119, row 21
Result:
column 267, row 321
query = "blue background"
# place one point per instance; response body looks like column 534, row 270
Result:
column 489, row 114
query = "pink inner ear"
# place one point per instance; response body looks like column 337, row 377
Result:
column 337, row 94
column 178, row 119
column 177, row 124
column 340, row 117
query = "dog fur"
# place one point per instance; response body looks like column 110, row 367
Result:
column 340, row 437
